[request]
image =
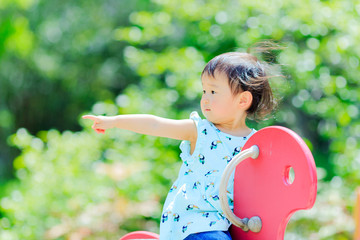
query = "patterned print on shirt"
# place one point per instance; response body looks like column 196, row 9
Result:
column 211, row 172
column 173, row 188
column 215, row 197
column 196, row 184
column 205, row 199
column 227, row 158
column 183, row 192
column 205, row 214
column 212, row 223
column 211, row 184
column 201, row 158
column 165, row 216
column 191, row 207
column 185, row 227
column 214, row 144
column 236, row 150
column 231, row 201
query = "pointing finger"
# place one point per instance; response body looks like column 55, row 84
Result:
column 91, row 117
column 100, row 131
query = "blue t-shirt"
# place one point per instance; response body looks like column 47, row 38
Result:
column 192, row 204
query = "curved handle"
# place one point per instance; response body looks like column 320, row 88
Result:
column 254, row 224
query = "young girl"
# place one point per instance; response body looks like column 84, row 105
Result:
column 235, row 87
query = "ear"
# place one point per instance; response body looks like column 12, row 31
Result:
column 245, row 100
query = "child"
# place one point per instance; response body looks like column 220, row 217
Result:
column 235, row 87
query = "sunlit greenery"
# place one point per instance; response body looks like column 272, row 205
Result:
column 62, row 59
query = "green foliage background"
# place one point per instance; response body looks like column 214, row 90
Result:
column 62, row 59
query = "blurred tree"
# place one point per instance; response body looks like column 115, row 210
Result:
column 56, row 60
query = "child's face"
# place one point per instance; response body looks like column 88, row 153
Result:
column 218, row 104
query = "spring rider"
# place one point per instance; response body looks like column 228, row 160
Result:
column 275, row 176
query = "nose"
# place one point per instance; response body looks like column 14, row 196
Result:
column 205, row 100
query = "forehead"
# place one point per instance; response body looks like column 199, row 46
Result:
column 218, row 79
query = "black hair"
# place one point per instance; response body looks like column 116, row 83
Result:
column 245, row 72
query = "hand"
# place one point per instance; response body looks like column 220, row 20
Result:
column 101, row 123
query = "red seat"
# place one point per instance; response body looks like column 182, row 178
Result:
column 264, row 188
column 140, row 235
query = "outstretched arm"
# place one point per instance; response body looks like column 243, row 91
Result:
column 147, row 124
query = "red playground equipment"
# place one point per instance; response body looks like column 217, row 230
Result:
column 275, row 176
column 357, row 216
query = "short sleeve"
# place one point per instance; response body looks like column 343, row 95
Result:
column 185, row 145
column 196, row 118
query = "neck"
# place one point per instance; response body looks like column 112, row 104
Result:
column 236, row 127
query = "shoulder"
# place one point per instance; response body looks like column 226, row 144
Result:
column 199, row 122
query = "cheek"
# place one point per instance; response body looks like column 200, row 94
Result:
column 224, row 104
column 202, row 100
column 219, row 106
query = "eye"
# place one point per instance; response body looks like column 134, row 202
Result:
column 212, row 92
column 204, row 91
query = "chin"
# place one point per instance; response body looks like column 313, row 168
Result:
column 209, row 116
column 210, row 119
